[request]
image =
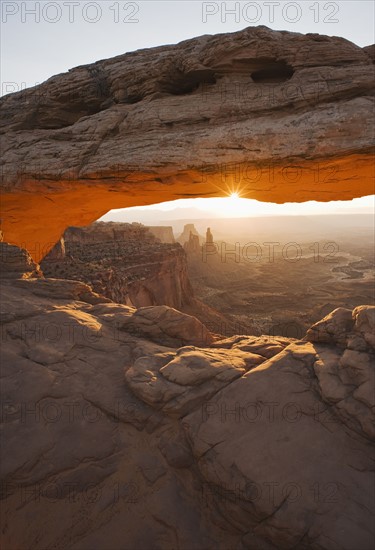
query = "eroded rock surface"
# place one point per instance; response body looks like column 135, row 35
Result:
column 345, row 328
column 166, row 325
column 286, row 449
column 181, row 381
column 16, row 262
column 113, row 440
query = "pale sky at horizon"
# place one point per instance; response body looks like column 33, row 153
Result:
column 42, row 38
column 242, row 208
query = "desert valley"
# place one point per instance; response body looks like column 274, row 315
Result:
column 233, row 285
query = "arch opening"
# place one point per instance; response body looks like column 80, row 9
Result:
column 264, row 268
column 36, row 211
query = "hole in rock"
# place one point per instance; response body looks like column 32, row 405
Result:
column 70, row 111
column 186, row 83
column 273, row 71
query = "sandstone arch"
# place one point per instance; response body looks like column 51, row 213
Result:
column 187, row 121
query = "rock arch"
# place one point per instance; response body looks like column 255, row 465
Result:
column 283, row 116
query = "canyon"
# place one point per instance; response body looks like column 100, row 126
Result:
column 232, row 289
column 125, row 262
column 278, row 276
column 130, row 265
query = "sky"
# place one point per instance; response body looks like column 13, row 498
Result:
column 235, row 207
column 42, row 38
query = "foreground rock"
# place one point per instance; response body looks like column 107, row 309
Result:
column 286, row 459
column 167, row 326
column 178, row 382
column 245, row 443
column 352, row 329
column 274, row 108
column 16, row 262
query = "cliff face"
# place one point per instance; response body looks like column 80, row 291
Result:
column 192, row 246
column 185, row 235
column 127, row 428
column 17, row 263
column 285, row 116
column 163, row 233
column 124, row 262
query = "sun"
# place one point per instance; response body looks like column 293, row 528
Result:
column 232, row 205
